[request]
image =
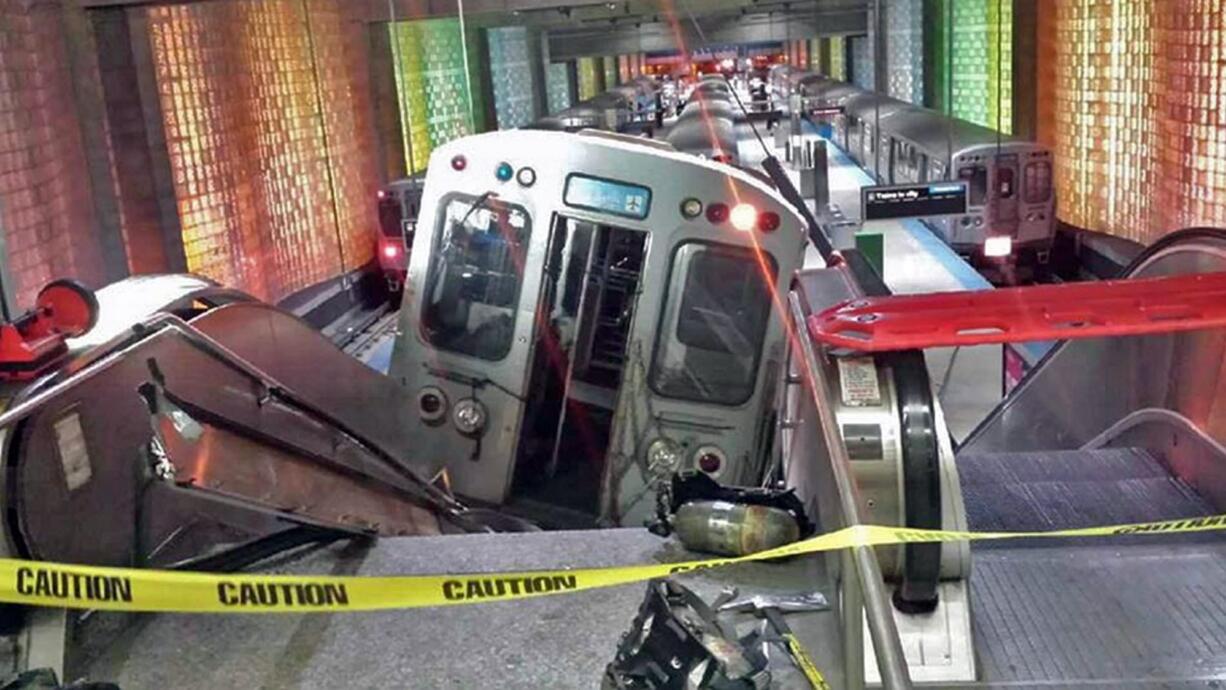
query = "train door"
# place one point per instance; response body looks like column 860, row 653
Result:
column 587, row 305
column 1005, row 211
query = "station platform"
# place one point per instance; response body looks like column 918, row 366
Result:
column 968, row 380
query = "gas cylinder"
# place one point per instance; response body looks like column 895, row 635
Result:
column 733, row 529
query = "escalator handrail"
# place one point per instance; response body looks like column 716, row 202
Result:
column 921, row 456
column 1140, row 261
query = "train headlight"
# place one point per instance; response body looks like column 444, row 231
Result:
column 431, row 404
column 663, row 456
column 744, row 217
column 998, row 246
column 710, row 459
column 469, row 416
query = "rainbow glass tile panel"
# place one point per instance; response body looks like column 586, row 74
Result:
column 263, row 105
column 589, row 74
column 511, row 76
column 905, row 49
column 411, row 93
column 557, row 87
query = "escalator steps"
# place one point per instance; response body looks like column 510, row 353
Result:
column 1067, row 489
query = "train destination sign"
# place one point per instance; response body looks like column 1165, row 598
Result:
column 913, row 201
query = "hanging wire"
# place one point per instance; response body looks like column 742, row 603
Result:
column 327, row 148
column 468, row 86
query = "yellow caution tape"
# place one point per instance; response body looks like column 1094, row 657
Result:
column 801, row 656
column 40, row 583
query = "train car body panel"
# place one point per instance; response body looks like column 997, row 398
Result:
column 609, row 292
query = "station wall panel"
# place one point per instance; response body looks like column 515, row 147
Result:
column 411, row 93
column 1132, row 108
column 557, row 87
column 45, row 206
column 905, row 49
column 591, row 77
column 513, row 75
column 970, row 52
column 610, row 71
column 861, row 67
column 838, row 58
column 267, row 127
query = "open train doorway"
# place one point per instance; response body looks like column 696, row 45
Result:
column 587, row 307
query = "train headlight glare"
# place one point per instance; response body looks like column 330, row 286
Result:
column 432, row 404
column 744, row 217
column 998, row 246
column 663, row 456
column 469, row 416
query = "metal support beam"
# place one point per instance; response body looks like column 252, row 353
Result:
column 622, row 37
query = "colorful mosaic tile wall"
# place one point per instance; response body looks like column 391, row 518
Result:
column 557, row 87
column 611, row 77
column 861, row 67
column 976, row 54
column 411, row 93
column 45, row 205
column 263, row 105
column 905, row 49
column 591, row 77
column 513, row 56
column 1133, row 107
column 838, row 58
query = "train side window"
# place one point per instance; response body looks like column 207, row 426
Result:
column 709, row 342
column 1038, row 182
column 976, row 177
column 476, row 271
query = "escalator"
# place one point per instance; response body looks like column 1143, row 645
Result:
column 1105, row 431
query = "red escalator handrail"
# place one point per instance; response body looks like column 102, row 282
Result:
column 1020, row 314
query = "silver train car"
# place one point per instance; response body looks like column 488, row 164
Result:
column 612, row 111
column 707, row 126
column 1011, row 216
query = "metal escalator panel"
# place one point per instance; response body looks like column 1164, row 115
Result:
column 77, row 453
column 1082, row 388
column 1120, row 612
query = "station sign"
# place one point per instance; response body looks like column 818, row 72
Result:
column 913, row 201
column 825, row 110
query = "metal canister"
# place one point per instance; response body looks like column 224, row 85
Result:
column 733, row 529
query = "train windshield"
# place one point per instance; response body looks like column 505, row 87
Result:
column 475, row 277
column 710, row 336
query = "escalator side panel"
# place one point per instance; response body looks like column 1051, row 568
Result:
column 289, row 350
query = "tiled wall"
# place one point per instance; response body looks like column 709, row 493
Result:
column 513, row 60
column 970, row 43
column 862, row 61
column 905, row 49
column 265, row 112
column 45, row 209
column 838, row 58
column 611, row 77
column 557, row 87
column 1132, row 107
column 591, row 77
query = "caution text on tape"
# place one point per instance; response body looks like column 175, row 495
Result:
column 40, row 583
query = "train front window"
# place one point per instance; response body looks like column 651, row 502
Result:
column 710, row 336
column 475, row 277
column 976, row 177
column 1038, row 182
column 390, row 216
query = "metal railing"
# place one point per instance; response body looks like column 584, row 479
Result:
column 862, row 591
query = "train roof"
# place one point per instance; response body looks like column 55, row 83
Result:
column 868, row 105
column 694, row 136
column 934, row 131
